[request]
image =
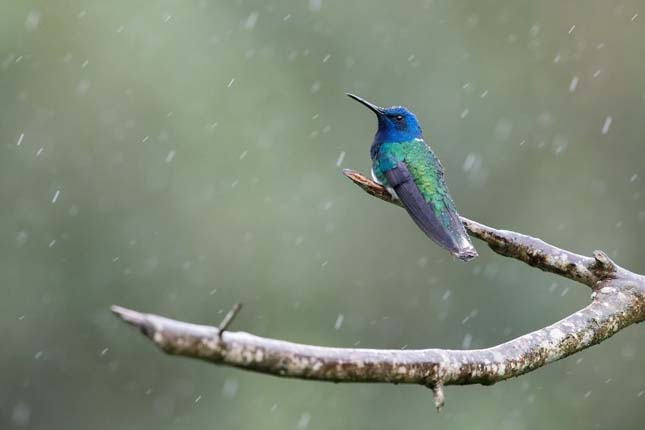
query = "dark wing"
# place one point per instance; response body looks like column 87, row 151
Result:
column 450, row 235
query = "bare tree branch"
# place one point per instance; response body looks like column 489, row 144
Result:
column 618, row 300
column 528, row 249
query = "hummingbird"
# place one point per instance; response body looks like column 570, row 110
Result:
column 406, row 165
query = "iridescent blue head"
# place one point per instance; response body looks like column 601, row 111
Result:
column 395, row 124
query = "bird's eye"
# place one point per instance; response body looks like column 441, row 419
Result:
column 399, row 117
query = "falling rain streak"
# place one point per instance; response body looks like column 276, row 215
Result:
column 606, row 125
column 340, row 159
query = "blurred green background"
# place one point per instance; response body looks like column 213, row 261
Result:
column 178, row 156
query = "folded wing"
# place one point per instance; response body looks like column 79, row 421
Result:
column 437, row 218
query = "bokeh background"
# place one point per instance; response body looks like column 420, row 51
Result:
column 178, row 156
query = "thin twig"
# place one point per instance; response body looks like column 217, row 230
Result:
column 228, row 319
column 437, row 394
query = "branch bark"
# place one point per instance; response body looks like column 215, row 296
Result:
column 617, row 301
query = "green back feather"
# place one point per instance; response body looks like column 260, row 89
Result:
column 425, row 168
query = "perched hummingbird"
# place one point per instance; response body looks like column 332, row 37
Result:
column 406, row 165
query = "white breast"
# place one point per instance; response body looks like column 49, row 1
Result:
column 389, row 189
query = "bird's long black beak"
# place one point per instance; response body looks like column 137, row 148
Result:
column 376, row 109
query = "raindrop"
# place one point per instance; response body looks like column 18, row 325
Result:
column 340, row 159
column 22, row 136
column 315, row 5
column 170, row 156
column 250, row 21
column 33, row 20
column 535, row 30
column 472, row 162
column 21, row 238
column 465, row 344
column 470, row 316
column 303, row 422
column 230, row 388
column 56, row 195
column 82, row 87
column 606, row 125
column 339, row 321
column 573, row 27
column 230, row 83
column 559, row 144
column 574, row 84
column 21, row 415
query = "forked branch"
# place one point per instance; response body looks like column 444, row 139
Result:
column 618, row 300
